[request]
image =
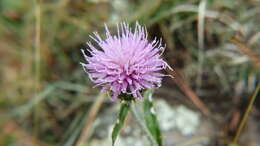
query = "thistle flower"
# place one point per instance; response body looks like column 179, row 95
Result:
column 126, row 62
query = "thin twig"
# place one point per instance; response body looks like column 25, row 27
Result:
column 245, row 117
column 188, row 91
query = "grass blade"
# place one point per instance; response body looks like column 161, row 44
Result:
column 150, row 117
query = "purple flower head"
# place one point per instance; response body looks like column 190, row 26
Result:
column 126, row 62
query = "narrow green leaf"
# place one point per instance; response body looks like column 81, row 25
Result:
column 120, row 120
column 150, row 117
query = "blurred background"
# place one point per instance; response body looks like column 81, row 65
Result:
column 46, row 99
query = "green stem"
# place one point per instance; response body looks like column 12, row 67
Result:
column 136, row 114
column 245, row 117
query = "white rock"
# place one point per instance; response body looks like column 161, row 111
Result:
column 187, row 120
column 165, row 115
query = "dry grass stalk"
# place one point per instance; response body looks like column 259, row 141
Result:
column 244, row 49
column 90, row 119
